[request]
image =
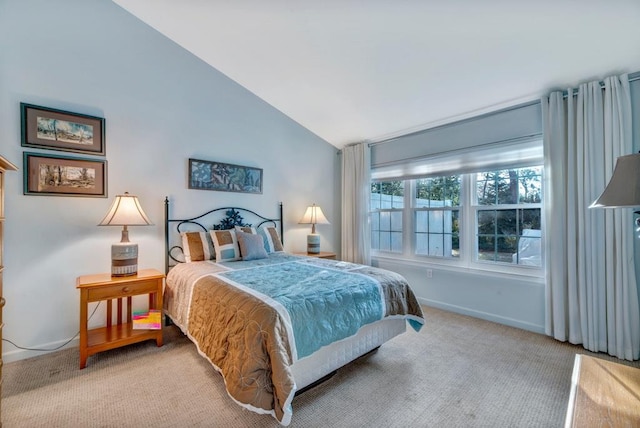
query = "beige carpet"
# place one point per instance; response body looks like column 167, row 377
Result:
column 457, row 372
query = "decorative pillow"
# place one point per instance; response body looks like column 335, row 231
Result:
column 271, row 238
column 251, row 246
column 225, row 244
column 196, row 246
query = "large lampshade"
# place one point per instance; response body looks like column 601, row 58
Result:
column 125, row 211
column 313, row 215
column 623, row 189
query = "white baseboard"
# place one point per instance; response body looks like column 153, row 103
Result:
column 20, row 354
column 483, row 315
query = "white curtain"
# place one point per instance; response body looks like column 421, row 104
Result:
column 591, row 286
column 356, row 182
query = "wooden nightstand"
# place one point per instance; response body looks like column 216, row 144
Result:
column 320, row 255
column 95, row 288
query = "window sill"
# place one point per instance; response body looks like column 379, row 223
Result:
column 527, row 274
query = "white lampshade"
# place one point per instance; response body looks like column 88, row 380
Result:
column 313, row 215
column 125, row 211
column 623, row 189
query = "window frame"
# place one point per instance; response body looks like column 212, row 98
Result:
column 468, row 208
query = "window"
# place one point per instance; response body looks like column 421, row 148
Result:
column 488, row 220
column 508, row 216
column 387, row 203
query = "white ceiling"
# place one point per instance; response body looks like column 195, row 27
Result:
column 354, row 70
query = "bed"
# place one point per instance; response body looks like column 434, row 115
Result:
column 272, row 323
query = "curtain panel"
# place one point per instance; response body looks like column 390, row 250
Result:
column 356, row 191
column 591, row 285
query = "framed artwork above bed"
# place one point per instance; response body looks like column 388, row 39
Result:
column 224, row 177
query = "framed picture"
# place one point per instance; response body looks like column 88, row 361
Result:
column 64, row 176
column 47, row 128
column 224, row 177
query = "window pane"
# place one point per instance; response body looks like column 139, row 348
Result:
column 486, row 222
column 530, row 187
column 436, row 219
column 506, row 222
column 422, row 224
column 396, row 242
column 437, row 233
column 505, row 248
column 387, row 194
column 385, row 241
column 386, row 231
column 486, row 188
column 375, row 239
column 455, row 233
column 529, row 248
column 396, row 221
column 509, row 186
column 530, row 219
column 375, row 221
column 438, row 192
column 422, row 193
column 516, row 236
column 436, row 244
column 486, row 247
column 385, row 220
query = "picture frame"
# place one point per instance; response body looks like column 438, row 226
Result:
column 48, row 128
column 52, row 175
column 224, row 177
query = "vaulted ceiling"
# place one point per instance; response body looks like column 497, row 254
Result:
column 354, row 70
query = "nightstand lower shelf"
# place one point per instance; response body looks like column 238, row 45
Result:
column 104, row 338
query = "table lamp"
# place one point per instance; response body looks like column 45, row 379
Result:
column 313, row 216
column 623, row 189
column 125, row 211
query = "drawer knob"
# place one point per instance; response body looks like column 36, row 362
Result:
column 126, row 289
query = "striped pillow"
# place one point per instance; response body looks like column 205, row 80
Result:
column 196, row 246
column 225, row 244
column 271, row 238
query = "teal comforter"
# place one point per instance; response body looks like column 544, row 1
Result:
column 323, row 301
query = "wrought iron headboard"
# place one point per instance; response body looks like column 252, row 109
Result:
column 232, row 218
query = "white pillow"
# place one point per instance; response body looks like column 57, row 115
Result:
column 225, row 244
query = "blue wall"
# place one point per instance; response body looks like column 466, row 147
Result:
column 162, row 105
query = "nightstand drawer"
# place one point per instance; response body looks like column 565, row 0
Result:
column 122, row 290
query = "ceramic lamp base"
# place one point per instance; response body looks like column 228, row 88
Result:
column 124, row 259
column 313, row 243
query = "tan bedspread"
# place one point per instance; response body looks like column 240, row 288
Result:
column 246, row 339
